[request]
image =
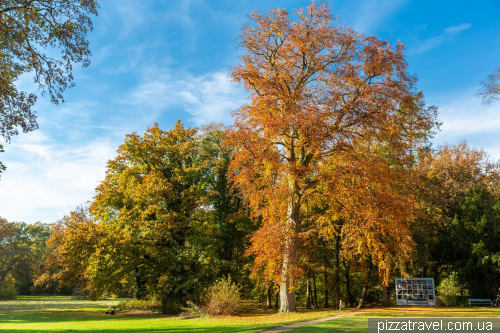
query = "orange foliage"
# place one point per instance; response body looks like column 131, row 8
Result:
column 454, row 169
column 324, row 99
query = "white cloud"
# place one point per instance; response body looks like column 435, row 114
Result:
column 464, row 117
column 446, row 35
column 207, row 98
column 45, row 180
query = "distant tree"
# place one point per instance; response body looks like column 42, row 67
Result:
column 10, row 252
column 72, row 241
column 457, row 230
column 31, row 237
column 225, row 214
column 27, row 29
column 469, row 245
column 22, row 252
column 490, row 88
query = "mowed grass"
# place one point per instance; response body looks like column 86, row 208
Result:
column 64, row 314
column 359, row 323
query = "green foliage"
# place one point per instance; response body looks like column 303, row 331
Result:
column 223, row 298
column 450, row 286
column 7, row 288
column 452, row 300
column 470, row 245
column 8, row 292
column 140, row 305
column 22, row 253
column 224, row 221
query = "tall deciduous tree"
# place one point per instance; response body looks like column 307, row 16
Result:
column 164, row 221
column 27, row 28
column 150, row 197
column 317, row 90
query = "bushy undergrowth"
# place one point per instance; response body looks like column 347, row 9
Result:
column 223, row 298
column 8, row 293
column 192, row 311
column 8, row 288
column 140, row 304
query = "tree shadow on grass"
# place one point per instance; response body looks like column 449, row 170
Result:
column 84, row 321
column 227, row 329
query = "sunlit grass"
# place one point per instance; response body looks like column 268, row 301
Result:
column 63, row 314
column 359, row 323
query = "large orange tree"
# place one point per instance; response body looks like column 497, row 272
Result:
column 322, row 97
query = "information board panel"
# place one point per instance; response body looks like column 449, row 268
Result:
column 414, row 289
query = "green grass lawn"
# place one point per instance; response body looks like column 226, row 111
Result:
column 64, row 314
column 359, row 323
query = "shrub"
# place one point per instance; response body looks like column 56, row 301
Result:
column 223, row 298
column 192, row 311
column 8, row 289
column 140, row 304
column 8, row 292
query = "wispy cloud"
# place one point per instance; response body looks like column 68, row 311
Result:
column 373, row 13
column 465, row 117
column 446, row 35
column 458, row 28
column 54, row 177
column 209, row 97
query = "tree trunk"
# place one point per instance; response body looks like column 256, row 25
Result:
column 384, row 295
column 315, row 294
column 362, row 299
column 287, row 287
column 276, row 302
column 269, row 303
column 337, row 272
column 347, row 267
column 308, row 299
column 325, row 274
column 169, row 306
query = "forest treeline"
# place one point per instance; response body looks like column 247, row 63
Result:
column 120, row 244
column 325, row 188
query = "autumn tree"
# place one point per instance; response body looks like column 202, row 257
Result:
column 457, row 228
column 164, row 221
column 72, row 242
column 318, row 90
column 27, row 29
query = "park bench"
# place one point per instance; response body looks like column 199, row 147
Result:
column 480, row 301
column 417, row 301
column 111, row 310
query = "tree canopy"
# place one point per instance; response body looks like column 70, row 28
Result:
column 27, row 29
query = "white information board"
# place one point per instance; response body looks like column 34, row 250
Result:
column 415, row 288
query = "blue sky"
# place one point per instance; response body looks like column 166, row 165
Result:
column 163, row 60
